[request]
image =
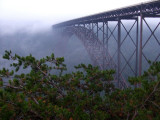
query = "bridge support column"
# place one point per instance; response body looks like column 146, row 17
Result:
column 119, row 48
column 103, row 46
column 107, row 35
column 140, row 47
column 92, row 25
column 136, row 64
column 97, row 29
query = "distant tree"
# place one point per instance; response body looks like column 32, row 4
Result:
column 85, row 94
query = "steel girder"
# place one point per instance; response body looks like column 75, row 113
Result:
column 149, row 9
column 105, row 37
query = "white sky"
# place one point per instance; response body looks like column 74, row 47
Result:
column 57, row 10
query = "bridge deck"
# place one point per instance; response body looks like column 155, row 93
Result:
column 149, row 9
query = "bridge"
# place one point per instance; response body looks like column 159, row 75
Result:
column 122, row 39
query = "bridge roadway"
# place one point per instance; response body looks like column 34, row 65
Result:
column 97, row 35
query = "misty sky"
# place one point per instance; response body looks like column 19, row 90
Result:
column 25, row 26
column 57, row 10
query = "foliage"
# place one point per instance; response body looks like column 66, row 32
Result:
column 85, row 94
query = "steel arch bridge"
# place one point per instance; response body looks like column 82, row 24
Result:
column 123, row 39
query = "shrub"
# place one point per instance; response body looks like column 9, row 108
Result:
column 86, row 94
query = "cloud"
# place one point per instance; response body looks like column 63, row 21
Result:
column 57, row 10
column 40, row 40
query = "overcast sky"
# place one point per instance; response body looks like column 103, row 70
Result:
column 57, row 10
column 25, row 26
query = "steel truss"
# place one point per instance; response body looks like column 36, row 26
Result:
column 116, row 39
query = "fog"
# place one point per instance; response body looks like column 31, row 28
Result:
column 39, row 39
column 25, row 26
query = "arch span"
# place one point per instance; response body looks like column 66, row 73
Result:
column 96, row 50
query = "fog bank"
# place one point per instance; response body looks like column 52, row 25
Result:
column 38, row 38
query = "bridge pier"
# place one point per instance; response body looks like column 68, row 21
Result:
column 140, row 47
column 119, row 51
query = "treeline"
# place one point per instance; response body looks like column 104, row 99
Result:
column 86, row 94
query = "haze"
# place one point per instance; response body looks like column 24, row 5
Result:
column 57, row 10
column 25, row 26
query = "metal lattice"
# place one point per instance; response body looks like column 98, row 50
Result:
column 121, row 39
